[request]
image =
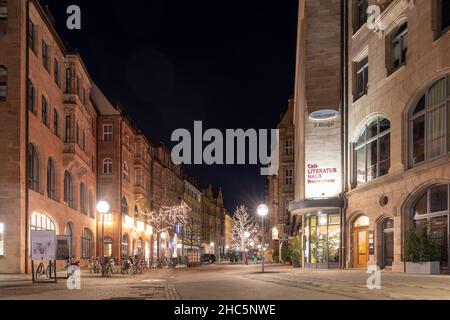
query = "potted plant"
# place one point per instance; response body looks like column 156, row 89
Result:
column 421, row 253
column 295, row 251
column 285, row 253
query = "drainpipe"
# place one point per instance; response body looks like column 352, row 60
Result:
column 120, row 191
column 27, row 64
column 344, row 123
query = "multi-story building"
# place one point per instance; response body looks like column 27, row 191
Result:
column 123, row 181
column 318, row 204
column 372, row 135
column 213, row 219
column 281, row 186
column 49, row 137
column 228, row 232
column 192, row 231
column 398, row 141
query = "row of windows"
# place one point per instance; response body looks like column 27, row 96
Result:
column 108, row 168
column 396, row 48
column 34, row 182
column 428, row 134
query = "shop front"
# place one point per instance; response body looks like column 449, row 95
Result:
column 322, row 239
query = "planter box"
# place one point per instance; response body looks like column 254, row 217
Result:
column 432, row 267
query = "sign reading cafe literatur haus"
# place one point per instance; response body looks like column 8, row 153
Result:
column 322, row 155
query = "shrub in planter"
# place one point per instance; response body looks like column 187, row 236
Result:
column 285, row 253
column 295, row 251
column 422, row 254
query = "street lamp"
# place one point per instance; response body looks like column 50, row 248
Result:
column 103, row 209
column 246, row 236
column 262, row 211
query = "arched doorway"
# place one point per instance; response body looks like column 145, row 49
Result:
column 108, row 247
column 125, row 242
column 360, row 242
column 69, row 231
column 387, row 235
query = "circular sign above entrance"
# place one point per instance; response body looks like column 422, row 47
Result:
column 325, row 114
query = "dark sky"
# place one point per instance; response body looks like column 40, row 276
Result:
column 228, row 63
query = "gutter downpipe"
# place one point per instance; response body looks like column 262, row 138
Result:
column 344, row 124
column 27, row 64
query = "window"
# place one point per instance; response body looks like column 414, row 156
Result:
column 443, row 16
column 2, row 239
column 31, row 97
column 361, row 78
column 68, row 134
column 288, row 177
column 69, row 232
column 124, row 206
column 55, row 122
column 78, row 87
column 51, row 179
column 56, row 71
column 87, row 239
column 107, row 166
column 44, row 111
column 399, row 47
column 68, row 190
column 125, row 171
column 107, row 132
column 431, row 211
column 428, row 123
column 289, row 147
column 124, row 246
column 41, row 222
column 32, row 36
column 3, row 83
column 83, row 207
column 3, row 10
column 372, row 151
column 68, row 81
column 33, row 168
column 360, row 14
column 45, row 55
column 77, row 133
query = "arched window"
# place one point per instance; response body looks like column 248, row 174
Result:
column 68, row 81
column 372, row 151
column 3, row 80
column 124, row 206
column 124, row 247
column 107, row 166
column 51, row 179
column 136, row 211
column 431, row 211
column 429, row 128
column 69, row 231
column 87, row 243
column 125, row 171
column 41, row 222
column 68, row 190
column 33, row 167
column 83, row 207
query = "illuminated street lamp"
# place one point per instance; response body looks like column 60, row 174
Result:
column 262, row 211
column 103, row 209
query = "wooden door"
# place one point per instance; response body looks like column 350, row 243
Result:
column 360, row 247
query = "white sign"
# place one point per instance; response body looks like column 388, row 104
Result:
column 43, row 245
column 325, row 114
column 323, row 156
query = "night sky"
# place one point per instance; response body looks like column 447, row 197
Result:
column 227, row 63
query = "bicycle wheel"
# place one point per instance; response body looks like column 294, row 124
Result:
column 39, row 270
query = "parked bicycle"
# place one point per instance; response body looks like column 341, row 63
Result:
column 43, row 270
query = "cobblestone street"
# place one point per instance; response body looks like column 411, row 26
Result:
column 238, row 282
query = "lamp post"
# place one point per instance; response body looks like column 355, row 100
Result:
column 262, row 211
column 103, row 209
column 246, row 236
